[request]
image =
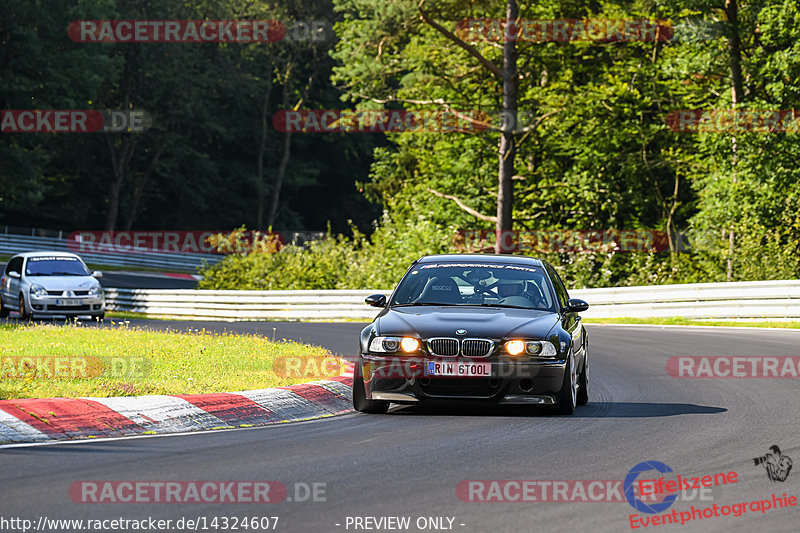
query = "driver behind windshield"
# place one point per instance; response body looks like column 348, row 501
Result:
column 507, row 288
column 512, row 292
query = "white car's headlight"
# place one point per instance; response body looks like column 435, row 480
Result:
column 394, row 345
column 38, row 290
column 96, row 291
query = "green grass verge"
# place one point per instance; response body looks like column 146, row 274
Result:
column 45, row 361
column 677, row 321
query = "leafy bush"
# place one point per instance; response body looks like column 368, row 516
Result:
column 358, row 262
column 335, row 262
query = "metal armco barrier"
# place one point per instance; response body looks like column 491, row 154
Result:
column 14, row 243
column 244, row 305
column 756, row 299
column 746, row 299
column 11, row 244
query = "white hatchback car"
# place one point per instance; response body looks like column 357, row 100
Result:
column 50, row 283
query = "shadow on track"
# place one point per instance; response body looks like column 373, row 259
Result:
column 598, row 410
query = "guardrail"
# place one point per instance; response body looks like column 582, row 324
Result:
column 736, row 300
column 741, row 300
column 11, row 244
column 243, row 305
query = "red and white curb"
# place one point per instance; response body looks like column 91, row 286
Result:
column 35, row 420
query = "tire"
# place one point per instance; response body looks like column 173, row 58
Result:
column 23, row 312
column 583, row 380
column 360, row 402
column 3, row 309
column 99, row 317
column 567, row 396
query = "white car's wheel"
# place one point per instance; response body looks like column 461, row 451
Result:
column 23, row 311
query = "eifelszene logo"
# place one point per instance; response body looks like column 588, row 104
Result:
column 777, row 466
column 630, row 484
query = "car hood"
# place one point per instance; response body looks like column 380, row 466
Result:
column 64, row 283
column 483, row 322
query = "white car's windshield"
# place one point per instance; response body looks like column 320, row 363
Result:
column 55, row 266
column 502, row 285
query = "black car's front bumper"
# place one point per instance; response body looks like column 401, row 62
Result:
column 405, row 380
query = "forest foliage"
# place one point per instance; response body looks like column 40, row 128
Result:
column 602, row 154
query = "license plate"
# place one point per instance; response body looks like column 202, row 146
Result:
column 68, row 302
column 463, row 369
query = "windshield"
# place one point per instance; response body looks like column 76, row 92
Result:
column 55, row 266
column 500, row 285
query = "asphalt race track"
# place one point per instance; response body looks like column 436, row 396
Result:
column 409, row 462
column 145, row 280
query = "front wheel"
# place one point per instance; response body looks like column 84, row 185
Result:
column 23, row 312
column 583, row 380
column 360, row 402
column 99, row 318
column 567, row 396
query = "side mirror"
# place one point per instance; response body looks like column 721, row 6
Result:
column 97, row 274
column 376, row 300
column 14, row 274
column 575, row 305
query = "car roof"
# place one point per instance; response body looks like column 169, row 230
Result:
column 482, row 258
column 47, row 253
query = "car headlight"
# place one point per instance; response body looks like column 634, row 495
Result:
column 38, row 290
column 534, row 348
column 96, row 291
column 540, row 349
column 394, row 345
column 515, row 347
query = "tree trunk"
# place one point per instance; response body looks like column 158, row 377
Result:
column 120, row 157
column 262, row 148
column 287, row 147
column 287, row 139
column 507, row 149
column 137, row 194
column 672, row 235
column 737, row 93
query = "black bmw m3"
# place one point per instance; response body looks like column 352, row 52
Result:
column 496, row 328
